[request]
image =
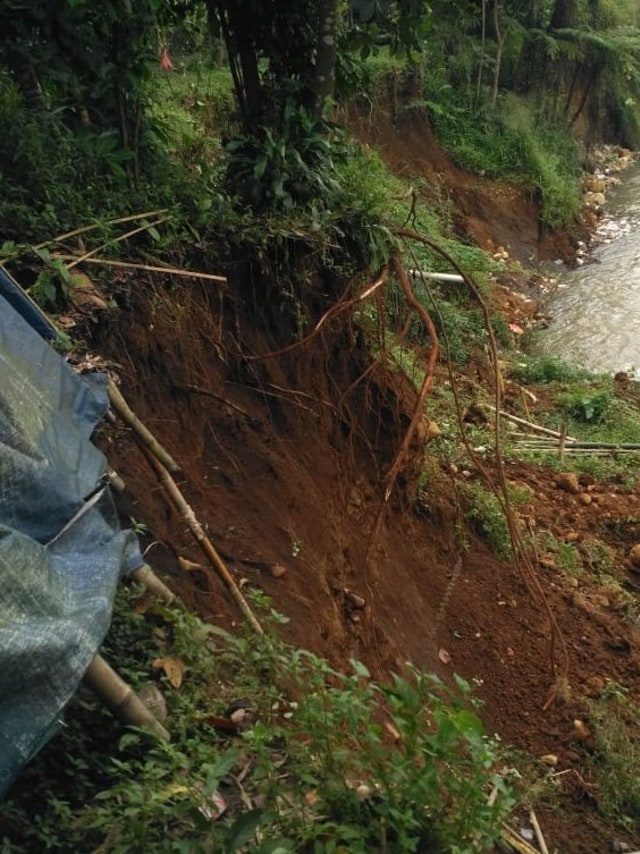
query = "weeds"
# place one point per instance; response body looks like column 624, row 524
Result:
column 565, row 555
column 334, row 760
column 616, row 761
column 486, row 511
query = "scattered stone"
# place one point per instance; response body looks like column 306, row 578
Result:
column 354, row 600
column 550, row 759
column 572, row 537
column 585, row 498
column 634, row 556
column 594, row 184
column 547, row 562
column 594, row 686
column 580, row 730
column 568, row 482
column 277, row 570
column 601, row 601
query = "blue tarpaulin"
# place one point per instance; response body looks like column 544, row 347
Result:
column 61, row 548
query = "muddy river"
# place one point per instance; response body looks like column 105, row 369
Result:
column 595, row 312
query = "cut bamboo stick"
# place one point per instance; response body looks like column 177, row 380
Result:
column 535, row 427
column 536, row 826
column 114, row 692
column 203, row 541
column 145, row 575
column 150, row 268
column 143, row 433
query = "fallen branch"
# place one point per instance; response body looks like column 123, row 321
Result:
column 203, row 541
column 143, row 433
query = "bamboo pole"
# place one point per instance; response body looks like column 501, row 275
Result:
column 145, row 575
column 85, row 228
column 536, row 826
column 203, row 541
column 143, row 433
column 535, row 427
column 118, row 239
column 114, row 692
column 150, row 268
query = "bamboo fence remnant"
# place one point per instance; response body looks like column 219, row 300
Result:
column 142, row 433
column 203, row 541
column 536, row 428
column 114, row 692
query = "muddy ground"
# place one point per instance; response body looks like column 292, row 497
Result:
column 284, row 461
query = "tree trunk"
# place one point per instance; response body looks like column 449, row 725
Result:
column 323, row 80
column 564, row 15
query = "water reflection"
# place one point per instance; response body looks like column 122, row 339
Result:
column 596, row 310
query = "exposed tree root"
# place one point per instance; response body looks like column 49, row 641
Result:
column 560, row 690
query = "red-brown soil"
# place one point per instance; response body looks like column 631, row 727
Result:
column 285, row 464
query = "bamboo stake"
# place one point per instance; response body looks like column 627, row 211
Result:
column 534, row 823
column 150, row 268
column 143, row 433
column 563, row 440
column 515, row 842
column 536, row 427
column 145, row 575
column 85, row 228
column 118, row 239
column 203, row 541
column 120, row 698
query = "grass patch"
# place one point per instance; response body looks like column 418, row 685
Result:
column 616, row 762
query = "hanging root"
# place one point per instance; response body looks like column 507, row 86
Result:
column 558, row 653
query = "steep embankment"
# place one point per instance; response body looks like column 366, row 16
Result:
column 284, row 460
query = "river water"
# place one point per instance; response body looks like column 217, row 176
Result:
column 595, row 312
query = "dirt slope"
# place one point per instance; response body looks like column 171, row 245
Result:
column 284, row 463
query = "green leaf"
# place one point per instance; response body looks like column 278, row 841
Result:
column 243, row 829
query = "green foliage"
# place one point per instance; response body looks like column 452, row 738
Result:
column 284, row 169
column 317, row 758
column 541, row 370
column 565, row 555
column 517, row 143
column 590, row 406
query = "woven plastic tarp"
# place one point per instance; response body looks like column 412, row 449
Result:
column 61, row 548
